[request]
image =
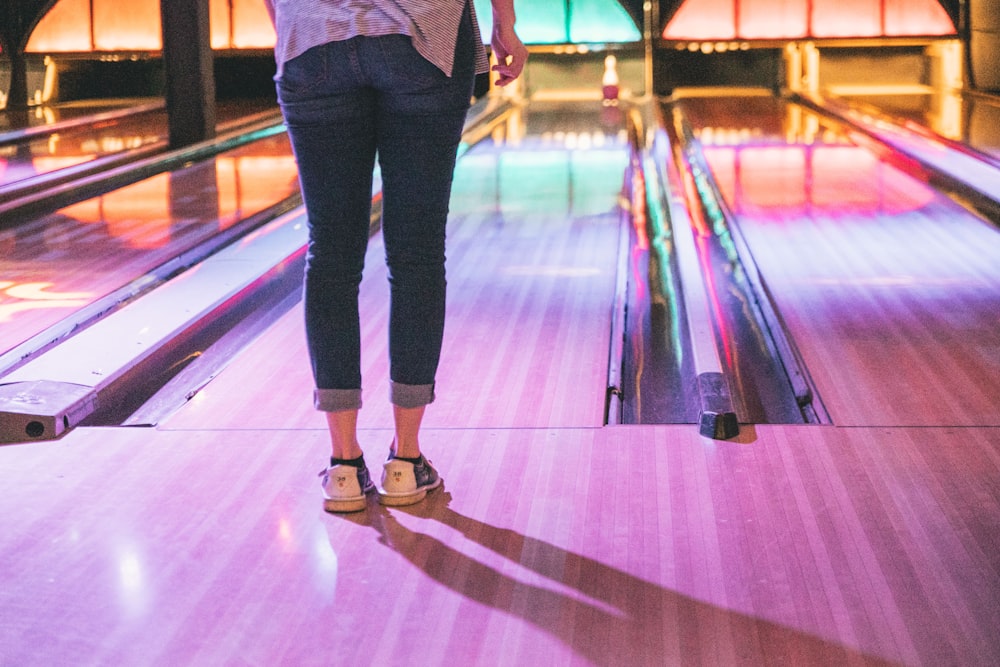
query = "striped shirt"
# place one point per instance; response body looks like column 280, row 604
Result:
column 432, row 25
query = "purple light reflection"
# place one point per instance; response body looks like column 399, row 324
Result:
column 778, row 182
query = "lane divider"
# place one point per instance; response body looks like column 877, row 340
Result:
column 718, row 219
column 717, row 416
column 59, row 389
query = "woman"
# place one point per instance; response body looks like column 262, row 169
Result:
column 392, row 78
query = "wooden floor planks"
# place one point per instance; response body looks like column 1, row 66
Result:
column 888, row 289
column 527, row 336
column 554, row 541
column 652, row 545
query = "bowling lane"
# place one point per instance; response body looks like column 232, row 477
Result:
column 532, row 262
column 57, row 264
column 44, row 118
column 32, row 155
column 890, row 290
column 69, row 137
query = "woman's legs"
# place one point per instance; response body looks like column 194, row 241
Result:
column 343, row 426
column 342, row 102
column 406, row 443
column 330, row 116
column 421, row 114
column 329, row 119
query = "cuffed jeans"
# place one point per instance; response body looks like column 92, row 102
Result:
column 344, row 103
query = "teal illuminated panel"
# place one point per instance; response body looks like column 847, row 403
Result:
column 547, row 22
column 535, row 183
column 538, row 21
column 601, row 21
column 541, row 21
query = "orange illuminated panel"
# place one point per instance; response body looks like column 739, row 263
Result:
column 240, row 24
column 703, row 19
column 772, row 19
column 248, row 185
column 252, row 28
column 218, row 19
column 136, row 215
column 135, row 26
column 127, row 25
column 65, row 28
column 906, row 17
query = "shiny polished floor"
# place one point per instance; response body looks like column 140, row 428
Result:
column 889, row 289
column 555, row 540
column 45, row 139
column 58, row 263
column 971, row 119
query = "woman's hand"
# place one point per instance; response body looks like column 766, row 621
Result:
column 510, row 52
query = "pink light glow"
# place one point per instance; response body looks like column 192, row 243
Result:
column 905, row 17
column 772, row 19
column 846, row 18
column 793, row 19
column 774, row 182
column 703, row 19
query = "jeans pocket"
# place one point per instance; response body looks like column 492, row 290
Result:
column 409, row 69
column 303, row 74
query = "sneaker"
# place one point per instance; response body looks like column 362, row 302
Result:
column 405, row 483
column 344, row 488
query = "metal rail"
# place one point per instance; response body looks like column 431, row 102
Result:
column 971, row 182
column 717, row 416
column 704, row 192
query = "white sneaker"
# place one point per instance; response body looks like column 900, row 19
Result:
column 405, row 483
column 344, row 488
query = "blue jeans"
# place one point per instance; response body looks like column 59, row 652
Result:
column 344, row 103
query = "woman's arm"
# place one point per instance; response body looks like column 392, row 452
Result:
column 507, row 46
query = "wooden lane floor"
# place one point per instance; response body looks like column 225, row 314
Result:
column 554, row 540
column 532, row 261
column 890, row 291
column 640, row 545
